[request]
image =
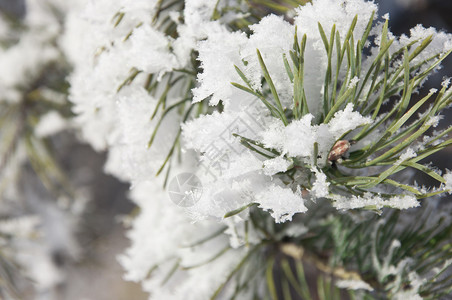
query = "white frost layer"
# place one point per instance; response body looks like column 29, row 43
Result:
column 374, row 201
column 281, row 202
column 297, row 139
column 353, row 284
column 50, row 123
column 448, row 178
column 276, row 165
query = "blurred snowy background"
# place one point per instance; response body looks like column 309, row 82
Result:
column 75, row 257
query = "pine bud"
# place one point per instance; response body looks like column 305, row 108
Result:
column 339, row 149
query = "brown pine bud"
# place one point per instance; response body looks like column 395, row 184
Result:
column 339, row 149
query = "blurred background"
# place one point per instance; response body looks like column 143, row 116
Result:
column 75, row 250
